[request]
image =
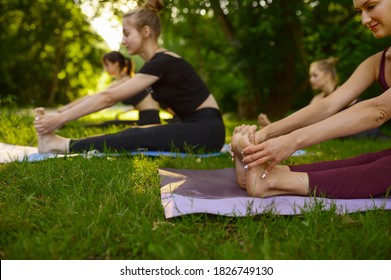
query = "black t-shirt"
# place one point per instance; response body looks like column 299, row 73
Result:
column 179, row 87
column 135, row 100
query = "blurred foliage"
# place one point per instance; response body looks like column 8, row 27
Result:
column 48, row 52
column 254, row 55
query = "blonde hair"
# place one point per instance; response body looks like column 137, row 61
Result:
column 328, row 65
column 147, row 15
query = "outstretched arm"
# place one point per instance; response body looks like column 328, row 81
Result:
column 361, row 79
column 86, row 98
column 310, row 125
column 362, row 116
column 96, row 102
column 73, row 103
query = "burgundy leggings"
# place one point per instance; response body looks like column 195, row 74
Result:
column 365, row 176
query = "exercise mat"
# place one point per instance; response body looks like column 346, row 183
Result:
column 9, row 153
column 186, row 191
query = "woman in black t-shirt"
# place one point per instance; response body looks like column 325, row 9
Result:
column 121, row 69
column 173, row 82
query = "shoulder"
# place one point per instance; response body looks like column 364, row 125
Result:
column 165, row 56
column 388, row 53
column 172, row 54
column 318, row 97
column 371, row 65
column 161, row 59
column 375, row 58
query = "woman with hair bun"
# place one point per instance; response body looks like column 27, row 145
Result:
column 172, row 81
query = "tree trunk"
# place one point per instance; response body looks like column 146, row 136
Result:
column 54, row 83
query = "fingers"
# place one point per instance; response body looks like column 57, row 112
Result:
column 39, row 113
column 256, row 155
column 252, row 149
column 251, row 134
column 39, row 128
column 252, row 161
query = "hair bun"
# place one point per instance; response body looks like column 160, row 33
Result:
column 333, row 60
column 154, row 5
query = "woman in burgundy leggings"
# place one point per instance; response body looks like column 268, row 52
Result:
column 257, row 153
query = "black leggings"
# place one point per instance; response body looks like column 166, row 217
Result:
column 202, row 131
column 147, row 117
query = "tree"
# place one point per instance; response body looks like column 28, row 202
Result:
column 253, row 54
column 264, row 48
column 48, row 54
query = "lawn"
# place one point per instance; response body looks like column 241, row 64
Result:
column 109, row 208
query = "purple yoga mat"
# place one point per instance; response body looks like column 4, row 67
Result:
column 187, row 191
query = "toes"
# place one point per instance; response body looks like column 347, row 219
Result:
column 40, row 111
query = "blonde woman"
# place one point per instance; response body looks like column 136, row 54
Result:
column 323, row 79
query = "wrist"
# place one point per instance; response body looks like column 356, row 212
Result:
column 295, row 140
column 62, row 118
column 261, row 135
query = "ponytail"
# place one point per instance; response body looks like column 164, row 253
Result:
column 129, row 67
column 124, row 62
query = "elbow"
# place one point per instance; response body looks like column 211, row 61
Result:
column 381, row 117
column 107, row 99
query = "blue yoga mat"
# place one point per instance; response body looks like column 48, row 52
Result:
column 9, row 153
column 40, row 156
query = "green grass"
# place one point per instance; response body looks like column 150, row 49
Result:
column 109, row 208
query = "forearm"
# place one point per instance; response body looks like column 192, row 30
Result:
column 73, row 103
column 306, row 116
column 317, row 111
column 360, row 117
column 87, row 106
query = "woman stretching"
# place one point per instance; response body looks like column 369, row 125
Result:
column 364, row 176
column 173, row 82
column 323, row 79
column 121, row 69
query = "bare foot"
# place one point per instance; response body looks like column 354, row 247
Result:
column 263, row 120
column 280, row 181
column 50, row 142
column 243, row 136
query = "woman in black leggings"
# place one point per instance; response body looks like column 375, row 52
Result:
column 172, row 81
